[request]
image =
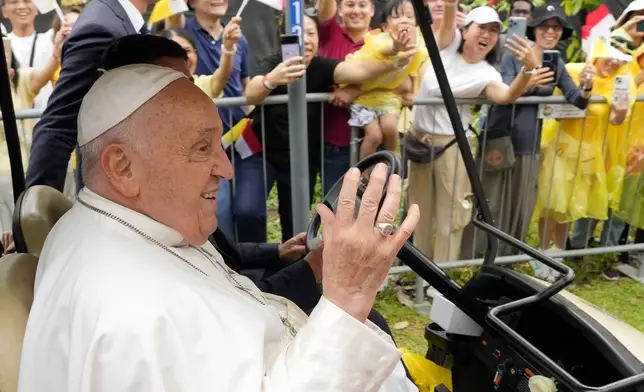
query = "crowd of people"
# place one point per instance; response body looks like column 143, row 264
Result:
column 373, row 76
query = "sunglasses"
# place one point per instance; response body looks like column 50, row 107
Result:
column 520, row 12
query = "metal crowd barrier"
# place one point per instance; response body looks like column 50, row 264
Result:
column 465, row 260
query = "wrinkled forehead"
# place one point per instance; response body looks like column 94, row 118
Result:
column 180, row 112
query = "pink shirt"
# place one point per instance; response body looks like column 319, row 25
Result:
column 335, row 43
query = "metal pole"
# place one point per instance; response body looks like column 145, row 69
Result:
column 297, row 129
column 11, row 129
column 354, row 150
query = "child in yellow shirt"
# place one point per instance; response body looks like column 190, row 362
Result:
column 374, row 110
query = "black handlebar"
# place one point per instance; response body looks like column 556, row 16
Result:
column 11, row 129
column 485, row 222
column 394, row 166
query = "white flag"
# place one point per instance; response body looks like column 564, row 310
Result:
column 46, row 6
column 277, row 4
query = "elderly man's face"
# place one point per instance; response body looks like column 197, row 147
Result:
column 180, row 170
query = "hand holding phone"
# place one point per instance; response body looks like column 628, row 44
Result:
column 640, row 26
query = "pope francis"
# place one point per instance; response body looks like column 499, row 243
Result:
column 130, row 295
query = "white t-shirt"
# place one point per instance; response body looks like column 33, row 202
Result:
column 22, row 46
column 466, row 80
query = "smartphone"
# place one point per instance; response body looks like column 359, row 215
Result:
column 518, row 26
column 6, row 43
column 620, row 87
column 640, row 26
column 290, row 46
column 551, row 60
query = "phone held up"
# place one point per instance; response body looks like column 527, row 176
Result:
column 290, row 44
column 640, row 26
column 620, row 88
column 551, row 60
column 517, row 26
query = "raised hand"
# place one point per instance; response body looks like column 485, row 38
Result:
column 521, row 50
column 403, row 41
column 287, row 71
column 357, row 256
column 60, row 37
column 541, row 78
column 631, row 27
column 587, row 75
column 232, row 33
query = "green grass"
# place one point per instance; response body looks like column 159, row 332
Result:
column 623, row 299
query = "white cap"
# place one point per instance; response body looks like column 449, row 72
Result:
column 117, row 94
column 634, row 6
column 482, row 15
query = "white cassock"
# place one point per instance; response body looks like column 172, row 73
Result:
column 114, row 312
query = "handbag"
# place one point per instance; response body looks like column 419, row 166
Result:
column 497, row 153
column 419, row 152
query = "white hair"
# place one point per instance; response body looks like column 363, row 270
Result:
column 91, row 152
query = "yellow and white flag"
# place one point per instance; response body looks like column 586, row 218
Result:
column 603, row 49
column 165, row 9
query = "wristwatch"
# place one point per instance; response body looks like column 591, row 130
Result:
column 267, row 84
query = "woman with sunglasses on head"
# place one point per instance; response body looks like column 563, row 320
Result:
column 514, row 133
column 438, row 182
column 271, row 124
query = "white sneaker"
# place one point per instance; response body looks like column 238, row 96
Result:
column 544, row 272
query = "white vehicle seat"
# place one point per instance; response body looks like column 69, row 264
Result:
column 17, row 273
column 37, row 210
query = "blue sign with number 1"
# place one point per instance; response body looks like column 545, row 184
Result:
column 295, row 12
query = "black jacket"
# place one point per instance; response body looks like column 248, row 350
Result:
column 295, row 282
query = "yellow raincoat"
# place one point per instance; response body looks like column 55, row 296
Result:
column 386, row 102
column 631, row 209
column 581, row 161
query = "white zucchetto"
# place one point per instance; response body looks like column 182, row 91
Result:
column 117, row 94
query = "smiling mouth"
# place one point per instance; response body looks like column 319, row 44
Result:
column 209, row 195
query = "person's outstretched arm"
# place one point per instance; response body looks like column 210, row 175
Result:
column 55, row 134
